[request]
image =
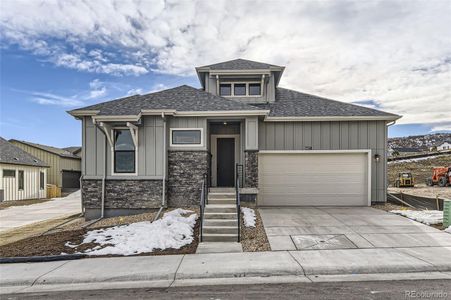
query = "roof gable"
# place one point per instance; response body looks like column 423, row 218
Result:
column 240, row 64
column 11, row 154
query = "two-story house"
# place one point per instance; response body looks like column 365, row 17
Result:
column 288, row 148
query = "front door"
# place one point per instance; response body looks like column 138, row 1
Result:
column 226, row 161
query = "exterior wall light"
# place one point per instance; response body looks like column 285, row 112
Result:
column 377, row 157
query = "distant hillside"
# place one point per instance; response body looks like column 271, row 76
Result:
column 419, row 141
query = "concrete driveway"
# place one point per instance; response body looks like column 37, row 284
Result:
column 17, row 216
column 315, row 228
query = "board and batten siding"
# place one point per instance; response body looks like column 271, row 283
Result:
column 339, row 135
column 57, row 164
column 31, row 190
column 53, row 160
column 150, row 150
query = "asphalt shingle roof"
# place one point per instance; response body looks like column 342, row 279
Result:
column 54, row 150
column 240, row 64
column 291, row 103
column 182, row 98
column 11, row 154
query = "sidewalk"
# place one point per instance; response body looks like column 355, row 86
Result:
column 17, row 216
column 220, row 268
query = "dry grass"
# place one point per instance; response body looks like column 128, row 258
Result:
column 254, row 239
column 6, row 204
column 390, row 206
column 35, row 229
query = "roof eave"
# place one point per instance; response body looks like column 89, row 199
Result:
column 83, row 113
column 332, row 118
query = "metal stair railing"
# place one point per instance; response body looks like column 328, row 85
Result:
column 203, row 203
column 238, row 200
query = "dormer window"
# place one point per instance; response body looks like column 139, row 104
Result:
column 240, row 89
column 255, row 89
column 226, row 89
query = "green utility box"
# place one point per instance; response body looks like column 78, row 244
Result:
column 446, row 213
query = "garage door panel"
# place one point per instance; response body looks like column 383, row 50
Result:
column 313, row 179
column 306, row 179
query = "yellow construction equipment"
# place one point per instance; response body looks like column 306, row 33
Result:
column 405, row 179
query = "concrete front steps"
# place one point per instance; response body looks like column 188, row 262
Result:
column 220, row 218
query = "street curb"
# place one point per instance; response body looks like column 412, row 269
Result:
column 28, row 259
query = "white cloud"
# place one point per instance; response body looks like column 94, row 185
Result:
column 53, row 99
column 98, row 89
column 397, row 54
column 137, row 91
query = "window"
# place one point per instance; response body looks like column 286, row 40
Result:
column 225, row 89
column 41, row 180
column 239, row 89
column 9, row 173
column 21, row 179
column 255, row 89
column 124, row 151
column 186, row 137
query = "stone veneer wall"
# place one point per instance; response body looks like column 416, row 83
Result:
column 251, row 168
column 185, row 175
column 122, row 194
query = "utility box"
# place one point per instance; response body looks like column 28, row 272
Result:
column 446, row 213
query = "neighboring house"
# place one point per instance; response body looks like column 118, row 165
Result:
column 295, row 149
column 23, row 176
column 444, row 146
column 65, row 167
column 75, row 150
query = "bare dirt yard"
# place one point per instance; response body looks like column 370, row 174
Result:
column 420, row 169
column 6, row 204
column 54, row 240
column 254, row 239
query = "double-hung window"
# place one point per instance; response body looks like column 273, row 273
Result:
column 124, row 152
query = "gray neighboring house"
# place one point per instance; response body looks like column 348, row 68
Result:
column 23, row 176
column 290, row 148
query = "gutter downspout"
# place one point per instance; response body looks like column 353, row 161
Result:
column 102, row 209
column 163, row 196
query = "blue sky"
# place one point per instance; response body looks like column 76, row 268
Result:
column 375, row 53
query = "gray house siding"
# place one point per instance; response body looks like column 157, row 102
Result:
column 340, row 135
column 150, row 149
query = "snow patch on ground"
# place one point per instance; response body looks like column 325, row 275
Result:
column 428, row 217
column 249, row 216
column 173, row 230
column 448, row 229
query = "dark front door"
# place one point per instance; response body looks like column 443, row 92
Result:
column 225, row 161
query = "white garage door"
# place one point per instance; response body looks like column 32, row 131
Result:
column 323, row 178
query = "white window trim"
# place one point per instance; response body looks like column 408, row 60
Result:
column 187, row 145
column 232, row 84
column 112, row 152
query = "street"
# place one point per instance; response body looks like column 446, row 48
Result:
column 409, row 289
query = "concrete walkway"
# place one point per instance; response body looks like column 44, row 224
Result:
column 327, row 228
column 219, row 268
column 17, row 216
